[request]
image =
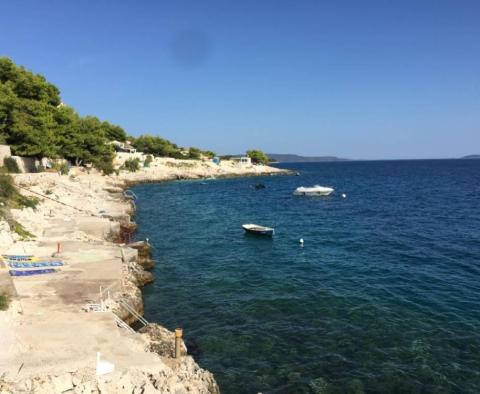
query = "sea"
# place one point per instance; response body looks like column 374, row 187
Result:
column 383, row 296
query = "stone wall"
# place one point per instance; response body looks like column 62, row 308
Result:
column 4, row 153
column 26, row 164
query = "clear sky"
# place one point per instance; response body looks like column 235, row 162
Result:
column 357, row 79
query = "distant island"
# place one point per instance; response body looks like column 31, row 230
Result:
column 468, row 157
column 289, row 158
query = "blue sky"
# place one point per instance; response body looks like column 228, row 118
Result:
column 357, row 79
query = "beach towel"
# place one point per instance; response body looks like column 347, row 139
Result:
column 35, row 264
column 32, row 272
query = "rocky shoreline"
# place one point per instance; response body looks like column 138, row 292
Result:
column 91, row 240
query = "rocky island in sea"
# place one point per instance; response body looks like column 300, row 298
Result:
column 70, row 275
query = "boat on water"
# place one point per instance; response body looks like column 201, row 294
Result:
column 316, row 190
column 258, row 230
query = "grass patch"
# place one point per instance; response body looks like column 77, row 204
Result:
column 20, row 230
column 4, row 301
column 10, row 197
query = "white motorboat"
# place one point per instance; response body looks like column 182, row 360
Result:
column 259, row 230
column 316, row 190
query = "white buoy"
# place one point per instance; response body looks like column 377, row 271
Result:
column 301, row 241
column 344, row 195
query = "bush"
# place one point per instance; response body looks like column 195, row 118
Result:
column 20, row 230
column 4, row 301
column 11, row 164
column 148, row 160
column 132, row 165
column 105, row 167
column 39, row 168
column 194, row 153
column 7, row 189
column 258, row 157
column 209, row 154
column 10, row 196
column 62, row 168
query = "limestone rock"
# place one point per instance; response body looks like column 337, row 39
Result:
column 160, row 340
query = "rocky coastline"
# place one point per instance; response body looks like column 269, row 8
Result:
column 88, row 219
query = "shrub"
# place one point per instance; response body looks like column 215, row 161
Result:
column 148, row 160
column 209, row 154
column 132, row 165
column 7, row 189
column 258, row 157
column 105, row 167
column 39, row 168
column 11, row 164
column 62, row 168
column 9, row 195
column 194, row 153
column 4, row 301
column 20, row 230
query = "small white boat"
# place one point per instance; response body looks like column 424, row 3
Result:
column 316, row 190
column 259, row 230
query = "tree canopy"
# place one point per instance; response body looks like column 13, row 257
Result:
column 35, row 123
column 258, row 157
column 158, row 146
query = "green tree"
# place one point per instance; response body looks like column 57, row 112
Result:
column 155, row 146
column 114, row 133
column 194, row 153
column 209, row 154
column 258, row 157
column 30, row 131
column 26, row 84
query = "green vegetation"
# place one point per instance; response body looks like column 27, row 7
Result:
column 4, row 301
column 11, row 165
column 258, row 157
column 20, row 230
column 156, row 146
column 132, row 165
column 63, row 168
column 148, row 160
column 209, row 154
column 35, row 123
column 194, row 153
column 161, row 147
column 10, row 197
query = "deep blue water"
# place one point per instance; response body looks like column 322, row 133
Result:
column 384, row 296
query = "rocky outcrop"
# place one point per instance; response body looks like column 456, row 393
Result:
column 160, row 340
column 175, row 376
column 143, row 259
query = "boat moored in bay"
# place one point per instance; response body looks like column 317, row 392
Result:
column 258, row 230
column 316, row 190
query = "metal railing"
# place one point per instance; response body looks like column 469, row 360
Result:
column 122, row 324
column 134, row 313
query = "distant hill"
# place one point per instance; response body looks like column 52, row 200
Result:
column 288, row 158
column 468, row 157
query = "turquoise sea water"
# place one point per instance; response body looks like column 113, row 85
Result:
column 384, row 296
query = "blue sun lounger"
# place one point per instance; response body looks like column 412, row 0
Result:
column 32, row 272
column 35, row 264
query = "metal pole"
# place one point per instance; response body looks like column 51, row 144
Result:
column 178, row 342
